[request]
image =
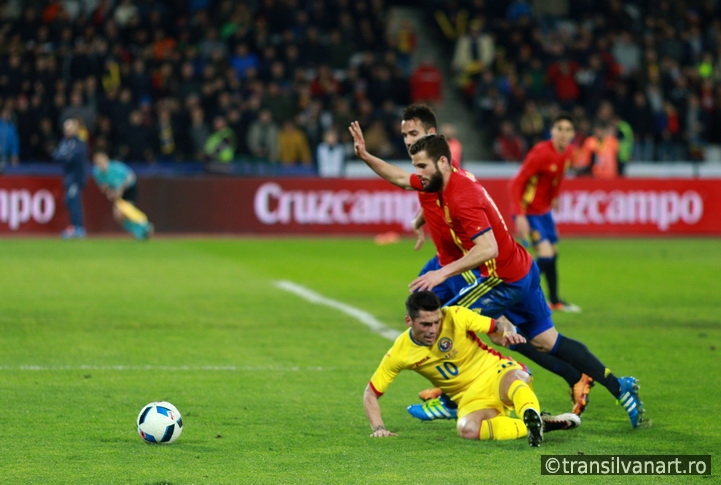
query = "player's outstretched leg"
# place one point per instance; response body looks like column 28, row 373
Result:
column 628, row 398
column 625, row 389
column 441, row 407
column 579, row 394
column 559, row 422
column 579, row 383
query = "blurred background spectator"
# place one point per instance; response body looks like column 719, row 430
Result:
column 9, row 140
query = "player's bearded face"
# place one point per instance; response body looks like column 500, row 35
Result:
column 434, row 183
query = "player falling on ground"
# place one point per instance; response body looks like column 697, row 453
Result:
column 442, row 346
column 534, row 193
column 118, row 182
column 510, row 282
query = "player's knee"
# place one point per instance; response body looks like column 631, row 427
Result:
column 517, row 375
column 468, row 429
column 545, row 341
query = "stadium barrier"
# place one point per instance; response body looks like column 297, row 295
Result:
column 297, row 206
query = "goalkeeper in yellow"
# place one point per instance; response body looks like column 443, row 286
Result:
column 118, row 182
column 443, row 346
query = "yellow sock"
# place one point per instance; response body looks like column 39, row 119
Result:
column 131, row 212
column 523, row 397
column 502, row 428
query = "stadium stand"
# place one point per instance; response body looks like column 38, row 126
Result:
column 150, row 79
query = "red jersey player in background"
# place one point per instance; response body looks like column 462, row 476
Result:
column 534, row 193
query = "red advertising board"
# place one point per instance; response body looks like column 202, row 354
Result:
column 626, row 207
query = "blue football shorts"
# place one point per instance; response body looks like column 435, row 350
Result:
column 522, row 302
column 543, row 228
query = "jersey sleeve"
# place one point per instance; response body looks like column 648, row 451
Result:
column 386, row 373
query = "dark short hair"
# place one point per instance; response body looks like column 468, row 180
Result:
column 563, row 117
column 436, row 146
column 421, row 300
column 423, row 113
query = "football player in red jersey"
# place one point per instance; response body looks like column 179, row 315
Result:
column 534, row 193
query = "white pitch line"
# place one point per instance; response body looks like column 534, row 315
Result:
column 363, row 317
column 232, row 368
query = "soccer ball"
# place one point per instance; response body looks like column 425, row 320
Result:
column 159, row 422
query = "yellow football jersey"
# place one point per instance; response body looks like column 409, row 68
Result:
column 457, row 359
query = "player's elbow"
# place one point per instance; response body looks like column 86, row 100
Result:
column 369, row 394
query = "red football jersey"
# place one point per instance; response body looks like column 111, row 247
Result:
column 538, row 181
column 464, row 210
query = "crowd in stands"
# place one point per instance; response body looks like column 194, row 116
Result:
column 273, row 81
column 203, row 80
column 652, row 67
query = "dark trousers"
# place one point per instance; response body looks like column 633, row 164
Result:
column 74, row 202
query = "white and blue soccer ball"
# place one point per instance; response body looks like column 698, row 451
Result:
column 159, row 422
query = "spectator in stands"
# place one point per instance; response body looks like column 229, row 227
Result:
column 403, row 40
column 627, row 53
column 339, row 50
column 136, row 145
column 473, row 52
column 330, row 155
column 125, row 12
column 562, row 76
column 449, row 131
column 166, row 134
column 426, row 83
column 279, row 102
column 220, row 145
column 198, row 132
column 79, row 110
column 641, row 119
column 509, row 146
column 243, row 59
column 670, row 128
column 377, row 139
column 599, row 156
column 293, row 148
column 263, row 137
column 532, row 124
column 9, row 140
column 624, row 133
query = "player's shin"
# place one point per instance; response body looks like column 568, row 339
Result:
column 523, row 397
column 501, row 428
column 549, row 362
column 578, row 355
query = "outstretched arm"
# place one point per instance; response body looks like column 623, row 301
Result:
column 418, row 223
column 395, row 175
column 373, row 411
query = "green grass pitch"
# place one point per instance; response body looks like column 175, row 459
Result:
column 270, row 384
